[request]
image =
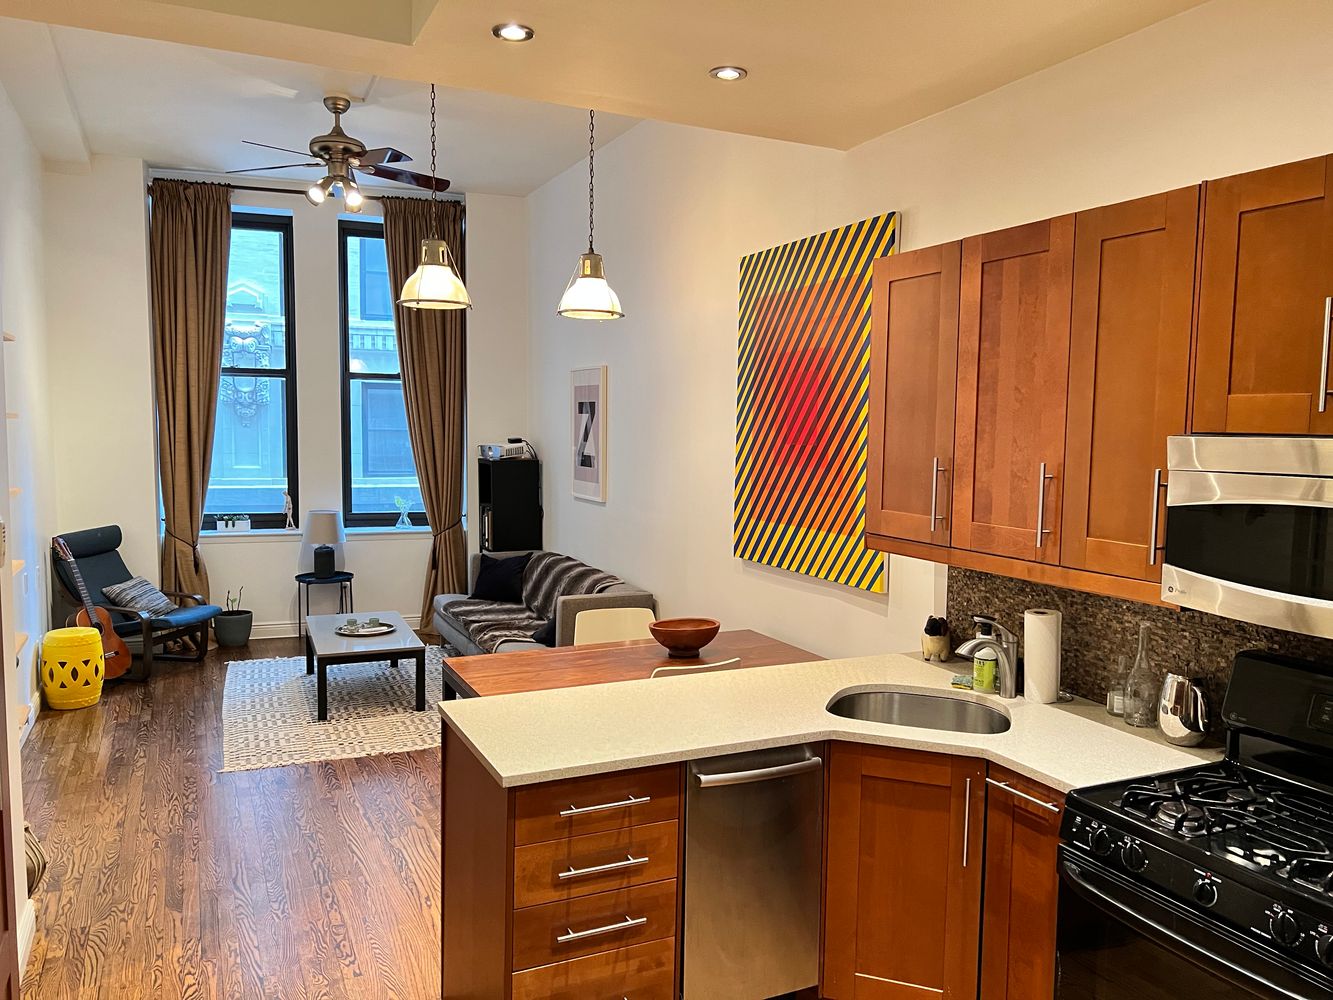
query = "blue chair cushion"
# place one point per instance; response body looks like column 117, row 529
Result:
column 180, row 618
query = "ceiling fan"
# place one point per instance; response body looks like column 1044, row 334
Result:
column 342, row 155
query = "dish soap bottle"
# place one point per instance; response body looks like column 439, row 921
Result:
column 1141, row 686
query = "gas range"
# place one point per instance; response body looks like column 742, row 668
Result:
column 1241, row 849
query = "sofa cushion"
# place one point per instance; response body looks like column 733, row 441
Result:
column 550, row 576
column 490, row 623
column 193, row 615
column 500, row 579
column 138, row 594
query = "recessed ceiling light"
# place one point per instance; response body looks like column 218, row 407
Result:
column 512, row 31
column 728, row 73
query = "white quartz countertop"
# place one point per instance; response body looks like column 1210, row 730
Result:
column 548, row 735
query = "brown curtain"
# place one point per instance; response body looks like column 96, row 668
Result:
column 189, row 246
column 432, row 348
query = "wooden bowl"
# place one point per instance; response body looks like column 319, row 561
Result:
column 684, row 637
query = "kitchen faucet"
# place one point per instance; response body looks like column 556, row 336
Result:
column 992, row 635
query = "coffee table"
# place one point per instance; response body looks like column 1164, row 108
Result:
column 325, row 648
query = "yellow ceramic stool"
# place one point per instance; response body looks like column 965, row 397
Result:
column 72, row 667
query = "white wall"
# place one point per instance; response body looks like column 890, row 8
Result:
column 1229, row 86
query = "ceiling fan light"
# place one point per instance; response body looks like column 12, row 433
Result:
column 352, row 197
column 435, row 283
column 318, row 191
column 588, row 295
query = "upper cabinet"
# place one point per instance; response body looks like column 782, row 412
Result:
column 1013, row 370
column 1128, row 377
column 913, row 355
column 1265, row 281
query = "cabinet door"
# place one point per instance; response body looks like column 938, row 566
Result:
column 1022, row 889
column 1262, row 351
column 903, row 883
column 913, row 369
column 1013, row 370
column 1128, row 377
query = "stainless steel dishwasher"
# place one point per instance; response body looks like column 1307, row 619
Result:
column 753, row 861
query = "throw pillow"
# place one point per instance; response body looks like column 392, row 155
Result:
column 139, row 594
column 546, row 634
column 501, row 579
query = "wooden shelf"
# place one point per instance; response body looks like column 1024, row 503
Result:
column 20, row 640
column 24, row 712
column 17, row 566
column 15, row 490
column 9, row 337
column 11, row 415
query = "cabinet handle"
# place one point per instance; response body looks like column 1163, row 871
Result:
column 1153, row 547
column 967, row 817
column 624, row 803
column 624, row 925
column 1023, row 795
column 1323, row 364
column 1042, row 478
column 629, row 862
column 936, row 470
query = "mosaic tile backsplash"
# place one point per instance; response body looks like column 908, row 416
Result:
column 1097, row 630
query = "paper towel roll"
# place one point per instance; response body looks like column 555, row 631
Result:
column 1041, row 655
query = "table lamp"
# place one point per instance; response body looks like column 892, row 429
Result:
column 324, row 530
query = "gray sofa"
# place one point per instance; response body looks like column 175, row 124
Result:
column 567, row 607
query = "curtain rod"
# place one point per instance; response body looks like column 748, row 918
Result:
column 268, row 189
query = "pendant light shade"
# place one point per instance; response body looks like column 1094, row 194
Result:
column 588, row 295
column 435, row 283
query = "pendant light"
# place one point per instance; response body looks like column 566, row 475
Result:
column 435, row 283
column 588, row 296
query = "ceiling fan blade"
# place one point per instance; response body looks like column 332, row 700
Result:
column 282, row 149
column 382, row 154
column 280, row 166
column 406, row 177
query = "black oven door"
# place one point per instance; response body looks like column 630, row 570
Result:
column 1120, row 941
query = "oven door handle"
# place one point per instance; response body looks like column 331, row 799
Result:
column 1213, row 946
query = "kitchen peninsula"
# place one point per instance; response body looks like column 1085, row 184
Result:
column 565, row 827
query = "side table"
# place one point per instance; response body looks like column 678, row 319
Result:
column 304, row 581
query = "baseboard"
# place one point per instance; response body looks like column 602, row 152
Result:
column 290, row 630
column 27, row 933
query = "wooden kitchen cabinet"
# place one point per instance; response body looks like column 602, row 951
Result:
column 903, row 874
column 1265, row 277
column 1133, row 297
column 1018, row 929
column 913, row 372
column 1013, row 370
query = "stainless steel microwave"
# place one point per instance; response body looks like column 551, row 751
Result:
column 1249, row 529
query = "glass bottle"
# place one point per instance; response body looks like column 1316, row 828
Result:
column 1141, row 686
column 1115, row 693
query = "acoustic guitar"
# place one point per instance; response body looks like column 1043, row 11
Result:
column 114, row 651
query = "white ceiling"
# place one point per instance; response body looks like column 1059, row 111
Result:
column 188, row 108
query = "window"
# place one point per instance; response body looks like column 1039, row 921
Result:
column 378, row 469
column 254, row 440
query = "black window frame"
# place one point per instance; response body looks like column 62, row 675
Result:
column 365, row 519
column 281, row 224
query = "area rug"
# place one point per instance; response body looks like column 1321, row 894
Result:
column 268, row 711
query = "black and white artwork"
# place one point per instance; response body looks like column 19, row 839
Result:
column 588, row 432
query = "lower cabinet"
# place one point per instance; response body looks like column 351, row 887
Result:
column 930, row 863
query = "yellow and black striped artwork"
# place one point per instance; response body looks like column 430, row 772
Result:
column 802, row 388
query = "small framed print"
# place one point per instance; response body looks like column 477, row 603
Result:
column 588, row 432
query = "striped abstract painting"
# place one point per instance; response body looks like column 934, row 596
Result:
column 802, row 388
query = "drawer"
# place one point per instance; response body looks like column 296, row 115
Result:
column 572, row 808
column 603, row 921
column 639, row 972
column 580, row 866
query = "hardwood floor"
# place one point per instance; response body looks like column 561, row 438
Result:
column 169, row 879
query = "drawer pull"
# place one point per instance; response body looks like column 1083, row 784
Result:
column 1023, row 795
column 630, row 862
column 625, row 803
column 624, row 925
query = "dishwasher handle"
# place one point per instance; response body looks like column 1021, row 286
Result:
column 759, row 774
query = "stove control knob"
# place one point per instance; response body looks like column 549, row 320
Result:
column 1132, row 856
column 1102, row 842
column 1323, row 949
column 1205, row 892
column 1284, row 929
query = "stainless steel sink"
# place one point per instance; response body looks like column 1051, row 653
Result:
column 924, row 711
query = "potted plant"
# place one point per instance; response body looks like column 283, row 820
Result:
column 232, row 627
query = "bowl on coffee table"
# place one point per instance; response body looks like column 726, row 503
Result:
column 684, row 637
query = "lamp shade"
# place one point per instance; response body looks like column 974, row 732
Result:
column 435, row 283
column 324, row 527
column 588, row 295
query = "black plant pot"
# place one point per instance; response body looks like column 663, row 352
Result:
column 232, row 628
